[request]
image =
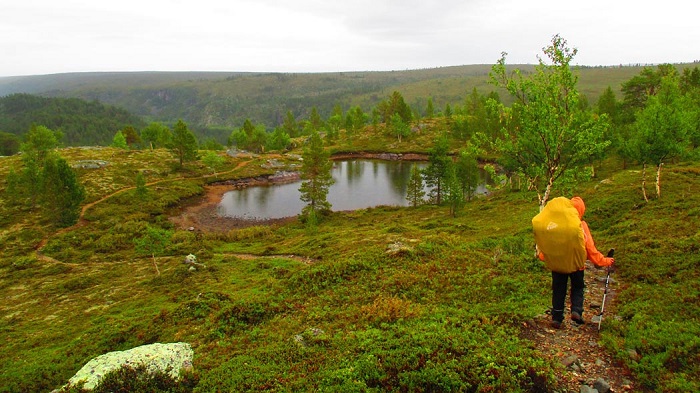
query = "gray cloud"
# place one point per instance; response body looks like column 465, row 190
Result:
column 46, row 36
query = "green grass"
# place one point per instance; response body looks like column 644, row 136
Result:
column 443, row 314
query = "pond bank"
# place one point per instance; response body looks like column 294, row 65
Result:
column 202, row 213
column 380, row 156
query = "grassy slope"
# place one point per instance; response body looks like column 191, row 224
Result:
column 441, row 314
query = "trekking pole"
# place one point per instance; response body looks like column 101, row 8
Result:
column 605, row 293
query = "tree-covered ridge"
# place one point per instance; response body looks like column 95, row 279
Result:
column 81, row 122
column 211, row 101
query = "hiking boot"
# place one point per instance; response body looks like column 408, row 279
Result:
column 577, row 318
column 555, row 324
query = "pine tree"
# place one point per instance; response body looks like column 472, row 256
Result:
column 448, row 111
column 430, row 109
column 315, row 119
column 436, row 171
column 415, row 192
column 316, row 176
column 467, row 172
column 9, row 144
column 62, row 193
column 184, row 143
column 279, row 140
column 290, row 125
column 119, row 141
column 453, row 190
column 131, row 136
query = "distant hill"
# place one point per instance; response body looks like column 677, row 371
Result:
column 82, row 122
column 217, row 102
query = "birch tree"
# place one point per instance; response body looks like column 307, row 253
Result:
column 662, row 129
column 547, row 132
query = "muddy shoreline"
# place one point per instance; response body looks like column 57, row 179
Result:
column 381, row 156
column 201, row 213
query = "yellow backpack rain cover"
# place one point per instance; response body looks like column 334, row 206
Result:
column 559, row 236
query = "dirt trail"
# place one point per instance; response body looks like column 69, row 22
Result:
column 298, row 258
column 578, row 347
column 82, row 221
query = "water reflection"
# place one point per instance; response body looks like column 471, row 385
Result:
column 359, row 184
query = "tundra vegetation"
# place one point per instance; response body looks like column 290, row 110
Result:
column 282, row 308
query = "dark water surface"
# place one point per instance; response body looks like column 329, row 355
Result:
column 358, row 184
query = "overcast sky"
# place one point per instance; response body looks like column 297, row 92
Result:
column 56, row 36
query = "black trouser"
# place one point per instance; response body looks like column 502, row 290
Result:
column 559, row 282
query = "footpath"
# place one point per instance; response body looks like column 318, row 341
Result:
column 587, row 367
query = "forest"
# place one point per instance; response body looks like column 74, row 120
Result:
column 215, row 103
column 82, row 123
column 443, row 295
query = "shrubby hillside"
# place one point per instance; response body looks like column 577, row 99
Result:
column 445, row 295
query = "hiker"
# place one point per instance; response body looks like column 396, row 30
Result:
column 574, row 254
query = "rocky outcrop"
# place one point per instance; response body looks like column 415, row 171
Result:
column 170, row 358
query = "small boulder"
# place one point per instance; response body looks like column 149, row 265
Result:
column 170, row 358
column 398, row 248
column 570, row 360
column 601, row 385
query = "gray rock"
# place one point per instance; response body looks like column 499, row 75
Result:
column 601, row 385
column 569, row 360
column 316, row 331
column 588, row 389
column 299, row 339
column 604, row 278
column 170, row 358
column 398, row 248
column 90, row 164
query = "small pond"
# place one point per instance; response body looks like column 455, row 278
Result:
column 358, row 184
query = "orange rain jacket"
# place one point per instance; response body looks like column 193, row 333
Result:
column 592, row 253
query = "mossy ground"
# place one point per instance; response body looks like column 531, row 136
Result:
column 443, row 313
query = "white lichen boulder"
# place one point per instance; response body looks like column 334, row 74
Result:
column 170, row 358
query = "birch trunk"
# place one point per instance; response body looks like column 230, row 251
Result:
column 644, row 182
column 658, row 180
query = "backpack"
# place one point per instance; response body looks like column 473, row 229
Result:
column 559, row 236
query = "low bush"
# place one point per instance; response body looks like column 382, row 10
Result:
column 139, row 379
